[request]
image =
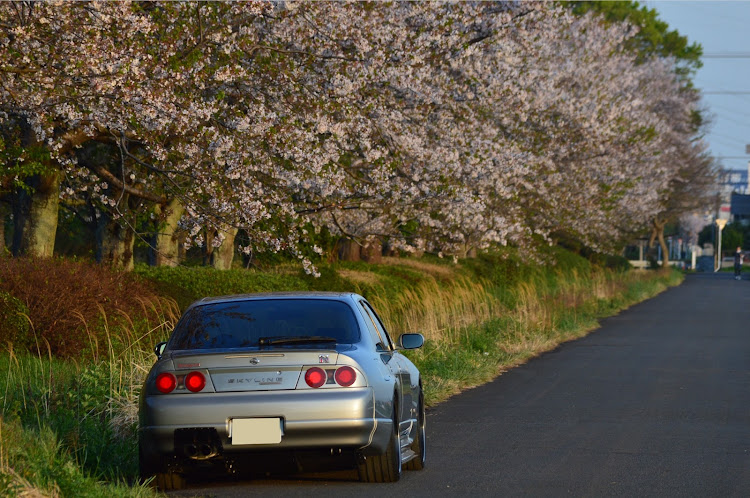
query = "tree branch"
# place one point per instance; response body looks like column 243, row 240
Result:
column 112, row 179
column 255, row 48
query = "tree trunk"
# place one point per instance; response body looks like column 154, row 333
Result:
column 208, row 246
column 4, row 212
column 167, row 238
column 223, row 255
column 35, row 216
column 657, row 233
column 467, row 251
column 114, row 243
column 372, row 252
column 349, row 250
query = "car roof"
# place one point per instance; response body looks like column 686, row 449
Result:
column 336, row 296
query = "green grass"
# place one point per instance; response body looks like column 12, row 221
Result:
column 68, row 427
column 56, row 431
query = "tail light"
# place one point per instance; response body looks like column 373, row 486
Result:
column 195, row 381
column 166, row 382
column 316, row 377
column 345, row 376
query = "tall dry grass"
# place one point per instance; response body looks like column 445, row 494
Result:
column 114, row 365
column 545, row 315
column 131, row 361
column 438, row 311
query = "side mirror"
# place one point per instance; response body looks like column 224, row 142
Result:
column 159, row 349
column 411, row 341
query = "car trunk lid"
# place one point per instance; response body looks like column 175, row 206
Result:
column 255, row 370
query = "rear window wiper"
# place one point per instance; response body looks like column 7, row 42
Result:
column 305, row 339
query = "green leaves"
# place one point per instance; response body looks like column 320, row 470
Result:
column 18, row 163
column 654, row 38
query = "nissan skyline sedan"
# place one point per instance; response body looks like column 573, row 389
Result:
column 281, row 382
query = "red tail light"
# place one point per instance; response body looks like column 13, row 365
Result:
column 195, row 381
column 345, row 376
column 166, row 382
column 315, row 377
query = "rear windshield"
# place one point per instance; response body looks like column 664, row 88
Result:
column 257, row 323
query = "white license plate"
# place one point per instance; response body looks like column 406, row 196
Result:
column 256, row 431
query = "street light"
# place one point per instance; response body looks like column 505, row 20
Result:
column 719, row 223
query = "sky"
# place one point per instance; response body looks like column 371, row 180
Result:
column 722, row 28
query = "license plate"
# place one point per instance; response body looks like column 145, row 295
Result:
column 256, row 431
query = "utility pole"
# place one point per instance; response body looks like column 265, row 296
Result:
column 719, row 223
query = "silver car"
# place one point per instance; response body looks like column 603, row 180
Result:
column 278, row 382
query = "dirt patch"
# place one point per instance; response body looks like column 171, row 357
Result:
column 439, row 271
column 360, row 277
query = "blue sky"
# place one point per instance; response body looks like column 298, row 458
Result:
column 723, row 29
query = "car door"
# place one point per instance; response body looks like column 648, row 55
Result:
column 394, row 361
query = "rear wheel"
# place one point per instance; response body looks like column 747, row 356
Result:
column 168, row 481
column 418, row 446
column 165, row 480
column 146, row 467
column 385, row 467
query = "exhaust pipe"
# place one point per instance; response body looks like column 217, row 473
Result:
column 198, row 443
column 202, row 451
column 207, row 451
column 191, row 450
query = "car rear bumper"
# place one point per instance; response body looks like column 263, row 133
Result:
column 340, row 418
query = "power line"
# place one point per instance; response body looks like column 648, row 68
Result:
column 715, row 133
column 737, row 122
column 726, row 92
column 727, row 55
column 725, row 144
column 732, row 110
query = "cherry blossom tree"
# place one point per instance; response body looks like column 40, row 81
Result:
column 449, row 127
column 160, row 84
column 540, row 121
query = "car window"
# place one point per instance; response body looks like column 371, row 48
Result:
column 380, row 342
column 380, row 323
column 241, row 324
column 377, row 324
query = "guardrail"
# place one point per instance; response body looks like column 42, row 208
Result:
column 644, row 264
column 727, row 262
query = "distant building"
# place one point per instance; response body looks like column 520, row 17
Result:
column 740, row 208
column 732, row 180
column 734, row 195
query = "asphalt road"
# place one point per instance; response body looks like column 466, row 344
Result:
column 654, row 403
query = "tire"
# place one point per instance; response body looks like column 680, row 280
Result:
column 385, row 467
column 419, row 445
column 163, row 480
column 169, row 481
column 146, row 467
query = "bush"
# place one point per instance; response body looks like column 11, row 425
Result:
column 567, row 261
column 617, row 263
column 68, row 300
column 14, row 324
column 187, row 284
